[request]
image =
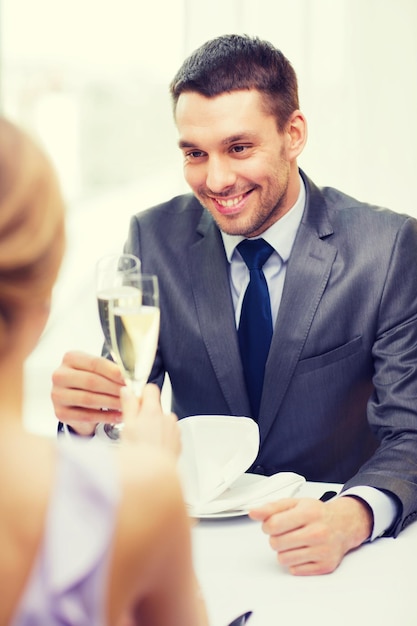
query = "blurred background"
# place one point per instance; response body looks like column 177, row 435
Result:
column 90, row 80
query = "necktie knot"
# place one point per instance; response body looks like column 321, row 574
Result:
column 255, row 252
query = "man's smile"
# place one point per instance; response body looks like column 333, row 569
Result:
column 230, row 205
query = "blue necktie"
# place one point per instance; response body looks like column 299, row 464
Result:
column 255, row 326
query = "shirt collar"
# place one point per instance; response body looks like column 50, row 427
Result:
column 281, row 235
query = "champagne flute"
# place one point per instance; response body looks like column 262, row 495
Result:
column 112, row 282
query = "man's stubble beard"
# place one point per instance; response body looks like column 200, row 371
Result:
column 256, row 223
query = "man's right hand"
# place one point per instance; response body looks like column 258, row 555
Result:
column 86, row 391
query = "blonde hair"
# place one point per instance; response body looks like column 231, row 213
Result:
column 31, row 223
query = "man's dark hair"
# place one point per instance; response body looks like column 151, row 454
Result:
column 234, row 62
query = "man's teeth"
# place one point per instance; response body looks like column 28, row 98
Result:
column 230, row 202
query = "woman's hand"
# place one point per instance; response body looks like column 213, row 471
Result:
column 145, row 422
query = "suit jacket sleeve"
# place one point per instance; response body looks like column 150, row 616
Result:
column 392, row 408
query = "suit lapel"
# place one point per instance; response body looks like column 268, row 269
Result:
column 307, row 274
column 213, row 300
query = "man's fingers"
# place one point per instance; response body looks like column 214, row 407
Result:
column 265, row 511
column 311, row 537
column 86, row 389
column 90, row 363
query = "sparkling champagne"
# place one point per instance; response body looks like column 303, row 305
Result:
column 134, row 334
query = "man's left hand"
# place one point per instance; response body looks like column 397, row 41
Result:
column 312, row 537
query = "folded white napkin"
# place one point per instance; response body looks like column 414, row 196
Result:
column 216, row 452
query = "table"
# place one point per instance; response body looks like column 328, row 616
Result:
column 238, row 571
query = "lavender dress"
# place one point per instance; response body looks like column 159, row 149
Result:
column 68, row 580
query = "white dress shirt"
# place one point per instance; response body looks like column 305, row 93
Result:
column 281, row 237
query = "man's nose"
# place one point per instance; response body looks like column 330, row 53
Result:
column 220, row 175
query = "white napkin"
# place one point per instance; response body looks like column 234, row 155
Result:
column 216, row 449
column 216, row 452
column 250, row 491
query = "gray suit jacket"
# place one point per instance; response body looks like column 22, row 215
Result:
column 340, row 392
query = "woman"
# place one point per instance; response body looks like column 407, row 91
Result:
column 85, row 539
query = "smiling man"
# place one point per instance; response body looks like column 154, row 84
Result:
column 238, row 164
column 290, row 304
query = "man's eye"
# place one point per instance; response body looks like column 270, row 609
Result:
column 194, row 154
column 239, row 149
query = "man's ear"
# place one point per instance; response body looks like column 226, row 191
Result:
column 297, row 134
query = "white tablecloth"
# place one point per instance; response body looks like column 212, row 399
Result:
column 238, row 571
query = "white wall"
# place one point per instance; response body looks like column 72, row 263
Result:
column 357, row 66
